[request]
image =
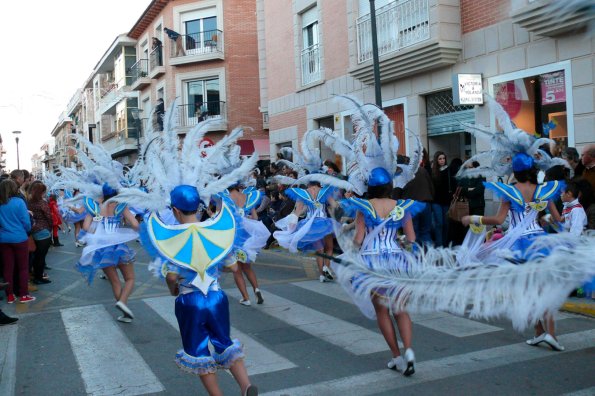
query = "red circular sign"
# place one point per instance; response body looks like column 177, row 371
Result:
column 204, row 144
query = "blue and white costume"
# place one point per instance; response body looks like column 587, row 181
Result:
column 380, row 249
column 202, row 308
column 306, row 235
column 252, row 235
column 105, row 241
column 68, row 214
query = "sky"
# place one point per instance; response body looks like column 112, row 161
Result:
column 49, row 49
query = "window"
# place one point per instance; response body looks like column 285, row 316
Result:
column 201, row 35
column 203, row 100
column 310, row 55
column 537, row 104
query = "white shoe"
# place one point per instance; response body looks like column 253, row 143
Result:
column 245, row 302
column 536, row 340
column 553, row 343
column 322, row 279
column 124, row 319
column 327, row 273
column 397, row 363
column 124, row 309
column 79, row 244
column 410, row 362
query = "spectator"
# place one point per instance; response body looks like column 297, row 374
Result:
column 588, row 160
column 177, row 39
column 473, row 190
column 444, row 186
column 5, row 319
column 570, row 154
column 41, row 230
column 421, row 189
column 18, row 176
column 587, row 200
column 14, row 242
column 158, row 116
column 157, row 47
column 56, row 220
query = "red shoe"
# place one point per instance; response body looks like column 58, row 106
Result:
column 10, row 299
column 26, row 299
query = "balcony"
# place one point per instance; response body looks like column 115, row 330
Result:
column 108, row 102
column 191, row 115
column 197, row 47
column 140, row 75
column 536, row 17
column 156, row 68
column 311, row 65
column 413, row 36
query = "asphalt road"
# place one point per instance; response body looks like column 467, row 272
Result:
column 306, row 339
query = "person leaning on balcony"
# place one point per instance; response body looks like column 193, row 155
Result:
column 177, row 38
column 158, row 48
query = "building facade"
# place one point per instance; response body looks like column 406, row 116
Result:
column 64, row 145
column 542, row 73
column 202, row 58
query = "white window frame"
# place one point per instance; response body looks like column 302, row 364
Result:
column 182, row 12
column 183, row 78
column 566, row 66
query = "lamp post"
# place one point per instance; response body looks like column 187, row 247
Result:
column 376, row 65
column 17, row 133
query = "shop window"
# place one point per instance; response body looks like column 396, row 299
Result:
column 537, row 104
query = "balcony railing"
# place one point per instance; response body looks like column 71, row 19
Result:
column 200, row 43
column 156, row 57
column 311, row 64
column 398, row 25
column 139, row 70
column 191, row 115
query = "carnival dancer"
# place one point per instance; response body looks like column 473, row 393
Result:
column 252, row 237
column 189, row 254
column 102, row 230
column 314, row 233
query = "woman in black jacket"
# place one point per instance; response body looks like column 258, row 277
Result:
column 444, row 187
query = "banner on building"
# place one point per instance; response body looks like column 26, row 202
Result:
column 467, row 89
column 553, row 88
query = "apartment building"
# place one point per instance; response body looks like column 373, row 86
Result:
column 64, row 145
column 46, row 156
column 202, row 55
column 540, row 71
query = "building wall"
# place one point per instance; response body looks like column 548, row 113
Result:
column 474, row 15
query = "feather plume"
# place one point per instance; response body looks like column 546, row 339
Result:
column 433, row 282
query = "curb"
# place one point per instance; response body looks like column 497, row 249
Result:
column 587, row 309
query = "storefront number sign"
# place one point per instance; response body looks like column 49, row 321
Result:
column 553, row 88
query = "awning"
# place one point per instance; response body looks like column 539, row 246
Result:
column 261, row 146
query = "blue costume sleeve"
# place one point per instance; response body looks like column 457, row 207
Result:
column 549, row 191
column 253, row 199
column 299, row 195
column 325, row 193
column 411, row 207
column 508, row 193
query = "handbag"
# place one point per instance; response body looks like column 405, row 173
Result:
column 32, row 246
column 459, row 206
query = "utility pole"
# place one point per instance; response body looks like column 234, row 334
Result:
column 376, row 62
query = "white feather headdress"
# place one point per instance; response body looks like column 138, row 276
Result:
column 505, row 144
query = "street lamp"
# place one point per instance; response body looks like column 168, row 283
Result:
column 17, row 133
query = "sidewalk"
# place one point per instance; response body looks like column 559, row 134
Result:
column 583, row 306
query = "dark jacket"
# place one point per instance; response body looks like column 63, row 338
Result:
column 444, row 186
column 420, row 188
column 473, row 189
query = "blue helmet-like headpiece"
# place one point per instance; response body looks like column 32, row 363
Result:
column 106, row 190
column 378, row 177
column 522, row 162
column 185, row 197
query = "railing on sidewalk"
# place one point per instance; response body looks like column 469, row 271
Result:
column 311, row 64
column 398, row 25
column 192, row 114
column 139, row 70
column 197, row 43
column 156, row 57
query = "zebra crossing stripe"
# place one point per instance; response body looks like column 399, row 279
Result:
column 438, row 369
column 582, row 392
column 8, row 359
column 259, row 359
column 108, row 362
column 438, row 321
column 353, row 338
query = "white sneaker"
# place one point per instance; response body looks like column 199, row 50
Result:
column 396, row 363
column 553, row 343
column 322, row 279
column 124, row 319
column 245, row 302
column 79, row 244
column 410, row 362
column 327, row 273
column 536, row 340
column 124, row 309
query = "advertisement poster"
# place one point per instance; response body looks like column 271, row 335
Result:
column 553, row 88
column 470, row 89
column 508, row 95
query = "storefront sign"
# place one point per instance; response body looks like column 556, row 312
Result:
column 467, row 89
column 553, row 88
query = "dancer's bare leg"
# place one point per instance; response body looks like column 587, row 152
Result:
column 209, row 381
column 238, row 277
column 405, row 328
column 385, row 324
column 250, row 274
column 239, row 372
column 128, row 273
column 112, row 276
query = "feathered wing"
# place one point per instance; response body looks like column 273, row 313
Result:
column 226, row 180
column 327, row 180
column 333, row 141
column 285, row 180
column 434, row 282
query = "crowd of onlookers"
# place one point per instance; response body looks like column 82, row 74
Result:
column 29, row 224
